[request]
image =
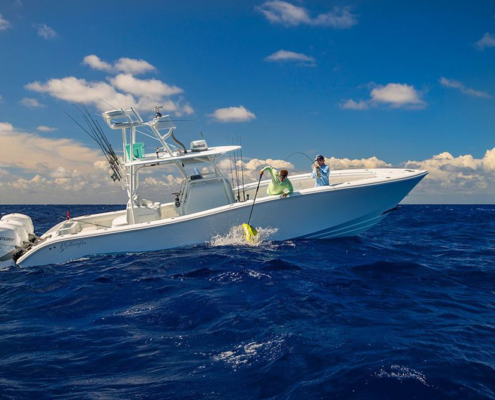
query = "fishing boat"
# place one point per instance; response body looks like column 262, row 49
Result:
column 208, row 203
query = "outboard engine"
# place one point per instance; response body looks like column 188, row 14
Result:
column 9, row 244
column 16, row 233
column 19, row 229
column 23, row 219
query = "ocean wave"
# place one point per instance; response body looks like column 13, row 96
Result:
column 403, row 311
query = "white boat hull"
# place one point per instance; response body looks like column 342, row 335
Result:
column 344, row 210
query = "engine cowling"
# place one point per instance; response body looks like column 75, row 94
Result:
column 9, row 243
column 18, row 227
column 22, row 218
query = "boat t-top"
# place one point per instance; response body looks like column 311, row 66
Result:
column 208, row 204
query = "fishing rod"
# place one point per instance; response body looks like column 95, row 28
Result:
column 95, row 138
column 231, row 168
column 97, row 134
column 242, row 170
column 236, row 173
column 254, row 200
column 250, row 232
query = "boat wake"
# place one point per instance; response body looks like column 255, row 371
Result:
column 236, row 237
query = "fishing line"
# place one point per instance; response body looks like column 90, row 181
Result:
column 304, row 154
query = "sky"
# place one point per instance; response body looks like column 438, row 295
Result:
column 366, row 83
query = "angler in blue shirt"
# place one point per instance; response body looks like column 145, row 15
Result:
column 321, row 172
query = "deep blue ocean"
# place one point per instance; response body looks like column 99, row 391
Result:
column 404, row 311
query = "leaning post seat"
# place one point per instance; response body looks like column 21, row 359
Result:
column 144, row 211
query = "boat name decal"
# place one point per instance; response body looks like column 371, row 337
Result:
column 6, row 239
column 74, row 243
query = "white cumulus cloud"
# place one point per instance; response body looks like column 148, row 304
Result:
column 134, row 92
column 79, row 90
column 4, row 24
column 232, row 114
column 284, row 13
column 44, row 128
column 396, row 95
column 393, row 95
column 488, row 40
column 95, row 62
column 46, row 32
column 44, row 153
column 290, row 56
column 453, row 84
column 120, row 91
column 151, row 92
column 355, row 105
column 346, row 163
column 144, row 87
column 31, row 103
column 54, row 169
column 124, row 64
column 463, row 176
column 133, row 66
column 164, row 181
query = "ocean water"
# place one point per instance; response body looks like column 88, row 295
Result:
column 404, row 311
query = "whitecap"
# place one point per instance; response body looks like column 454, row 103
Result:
column 251, row 352
column 237, row 276
column 401, row 373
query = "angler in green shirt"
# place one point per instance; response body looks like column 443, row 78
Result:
column 280, row 184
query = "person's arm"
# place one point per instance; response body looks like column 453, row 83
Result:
column 325, row 172
column 270, row 169
column 291, row 188
column 313, row 173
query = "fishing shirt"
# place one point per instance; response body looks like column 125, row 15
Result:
column 277, row 187
column 324, row 178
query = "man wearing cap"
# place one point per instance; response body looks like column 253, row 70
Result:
column 279, row 184
column 321, row 171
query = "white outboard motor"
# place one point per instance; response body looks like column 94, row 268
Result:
column 19, row 229
column 24, row 219
column 9, row 244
